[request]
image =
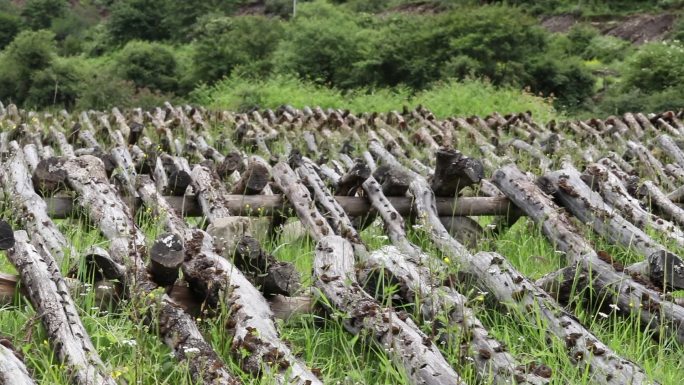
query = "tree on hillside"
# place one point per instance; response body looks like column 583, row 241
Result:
column 38, row 14
column 138, row 20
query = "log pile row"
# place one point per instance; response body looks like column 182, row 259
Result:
column 339, row 172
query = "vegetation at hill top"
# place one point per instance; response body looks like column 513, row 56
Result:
column 380, row 53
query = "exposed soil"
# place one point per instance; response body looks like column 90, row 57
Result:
column 637, row 29
column 418, row 7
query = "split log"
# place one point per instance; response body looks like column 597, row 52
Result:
column 655, row 197
column 177, row 329
column 512, row 290
column 254, row 179
column 454, row 171
column 618, row 288
column 414, row 271
column 599, row 178
column 49, row 295
column 589, row 208
column 12, row 369
column 408, row 346
column 256, row 344
column 264, row 270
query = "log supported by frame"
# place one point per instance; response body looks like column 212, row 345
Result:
column 512, row 290
column 407, row 345
column 418, row 277
column 12, row 369
column 654, row 196
column 589, row 208
column 454, row 171
column 178, row 330
column 49, row 295
column 256, row 344
column 618, row 288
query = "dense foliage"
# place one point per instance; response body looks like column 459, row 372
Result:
column 58, row 53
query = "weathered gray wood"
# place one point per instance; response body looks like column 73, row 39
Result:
column 31, row 157
column 617, row 287
column 649, row 165
column 590, row 208
column 655, row 197
column 166, row 257
column 515, row 292
column 12, row 369
column 599, row 178
column 407, row 345
column 210, row 194
column 48, row 177
column 351, row 181
column 256, row 344
column 670, row 149
column 49, row 295
column 30, row 209
column 177, row 329
column 415, row 272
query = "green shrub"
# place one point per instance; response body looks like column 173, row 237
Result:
column 607, row 49
column 29, row 53
column 137, row 20
column 656, row 66
column 148, row 65
column 56, row 85
column 229, row 42
column 38, row 14
column 10, row 25
column 323, row 44
column 567, row 80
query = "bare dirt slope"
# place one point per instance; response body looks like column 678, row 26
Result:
column 638, row 29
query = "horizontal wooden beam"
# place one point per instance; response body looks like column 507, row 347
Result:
column 266, row 205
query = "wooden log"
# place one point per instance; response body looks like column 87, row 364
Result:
column 177, row 329
column 590, row 208
column 210, row 194
column 394, row 182
column 65, row 148
column 31, row 157
column 30, row 209
column 49, row 295
column 676, row 173
column 264, row 270
column 231, row 163
column 515, row 292
column 12, row 368
column 650, row 166
column 48, row 177
column 335, row 276
column 655, row 197
column 618, row 288
column 256, row 345
column 417, row 279
column 254, row 179
column 599, row 178
column 166, row 257
column 351, row 181
column 454, row 171
column 670, row 149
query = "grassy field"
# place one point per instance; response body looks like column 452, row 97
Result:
column 137, row 356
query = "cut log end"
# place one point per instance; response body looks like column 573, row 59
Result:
column 166, row 256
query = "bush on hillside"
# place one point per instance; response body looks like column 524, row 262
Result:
column 655, row 67
column 29, row 53
column 148, row 65
column 137, row 20
column 38, row 14
column 229, row 42
column 10, row 25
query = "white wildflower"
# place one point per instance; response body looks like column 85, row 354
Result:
column 604, row 315
column 129, row 342
column 614, row 307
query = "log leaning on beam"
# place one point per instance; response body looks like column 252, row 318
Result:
column 588, row 207
column 335, row 277
column 516, row 292
column 177, row 329
column 12, row 369
column 619, row 288
column 417, row 277
column 655, row 197
column 49, row 295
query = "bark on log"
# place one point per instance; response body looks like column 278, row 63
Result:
column 265, row 271
column 50, row 297
column 12, row 369
column 617, row 287
column 454, row 171
column 210, row 194
column 649, row 164
column 394, row 182
column 254, row 179
column 670, row 149
column 177, row 329
column 48, row 177
column 515, row 292
column 408, row 346
column 590, row 208
column 231, row 163
column 417, row 277
column 351, row 181
column 599, row 178
column 256, row 344
column 655, row 197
